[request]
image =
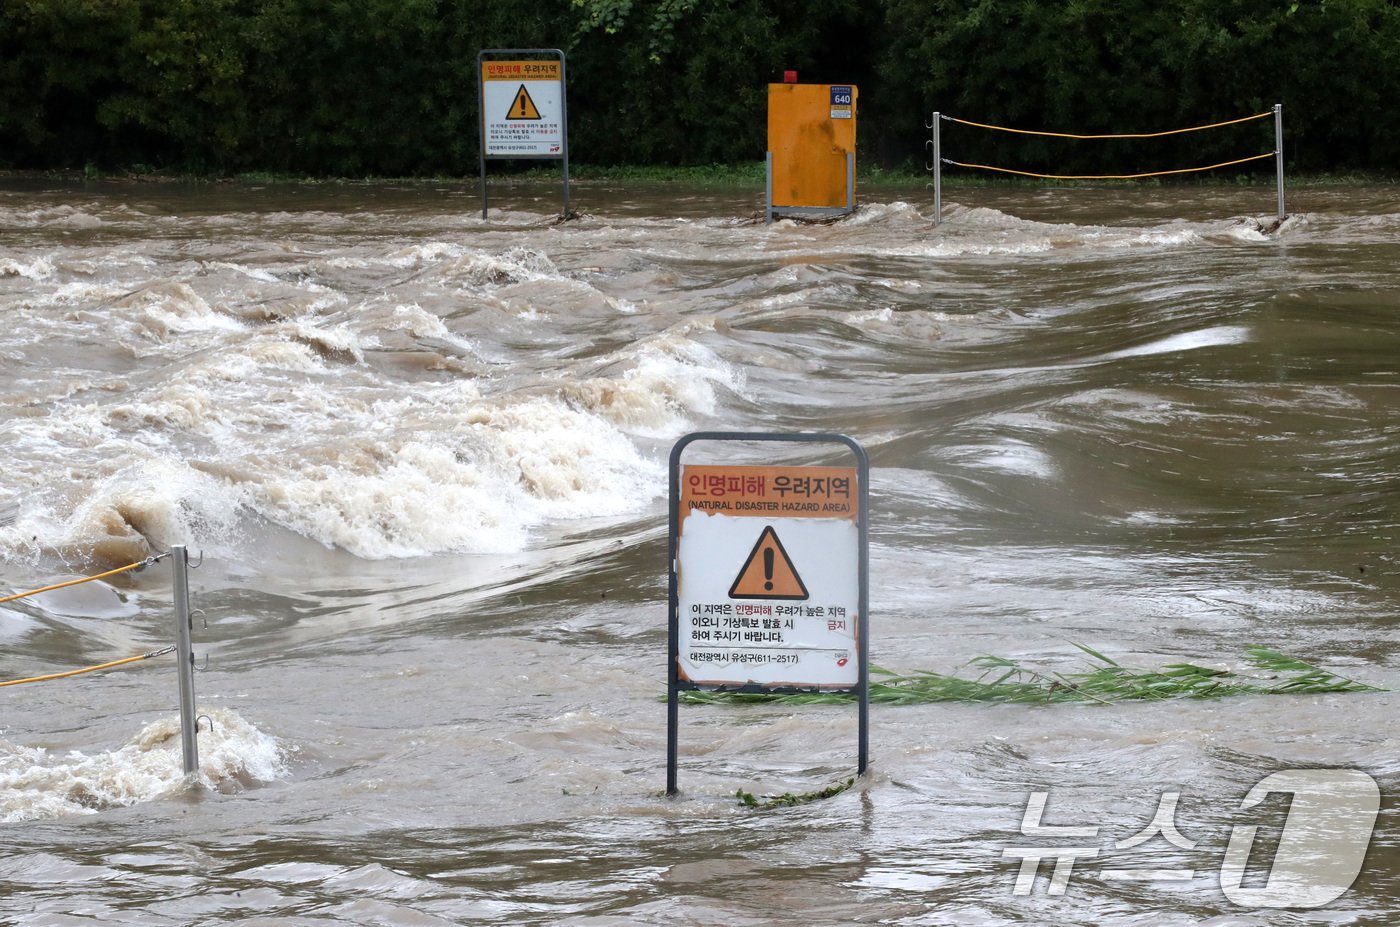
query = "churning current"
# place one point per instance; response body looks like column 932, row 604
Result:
column 424, row 459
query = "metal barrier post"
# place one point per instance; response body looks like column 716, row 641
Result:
column 184, row 655
column 1278, row 156
column 937, row 169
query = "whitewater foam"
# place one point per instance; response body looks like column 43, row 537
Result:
column 36, row 784
column 37, row 269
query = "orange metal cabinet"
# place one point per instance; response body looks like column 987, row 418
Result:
column 811, row 149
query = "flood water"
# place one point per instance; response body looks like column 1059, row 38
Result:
column 424, row 459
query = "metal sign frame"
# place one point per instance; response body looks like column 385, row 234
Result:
column 674, row 681
column 487, row 54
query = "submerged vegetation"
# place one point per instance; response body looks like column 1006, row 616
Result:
column 388, row 88
column 788, row 799
column 1104, row 681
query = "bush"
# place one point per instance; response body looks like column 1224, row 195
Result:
column 389, row 87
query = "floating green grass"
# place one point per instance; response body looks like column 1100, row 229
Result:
column 788, row 799
column 1104, row 681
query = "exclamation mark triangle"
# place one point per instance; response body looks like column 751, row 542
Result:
column 768, row 573
column 522, row 107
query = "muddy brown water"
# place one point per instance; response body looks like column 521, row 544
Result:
column 424, row 458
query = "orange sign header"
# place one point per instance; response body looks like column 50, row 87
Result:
column 520, row 70
column 771, row 492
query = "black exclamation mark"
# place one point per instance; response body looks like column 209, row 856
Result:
column 768, row 568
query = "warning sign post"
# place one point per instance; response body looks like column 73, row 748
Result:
column 769, row 585
column 523, row 109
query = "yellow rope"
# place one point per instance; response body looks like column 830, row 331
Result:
column 1183, row 170
column 89, row 669
column 1213, row 125
column 86, row 579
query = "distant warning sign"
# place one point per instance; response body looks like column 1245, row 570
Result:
column 768, row 581
column 522, row 109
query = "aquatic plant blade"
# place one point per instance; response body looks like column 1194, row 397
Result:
column 1104, row 684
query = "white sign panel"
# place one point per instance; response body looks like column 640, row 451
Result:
column 522, row 109
column 768, row 582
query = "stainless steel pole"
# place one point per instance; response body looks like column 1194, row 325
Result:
column 937, row 169
column 1278, row 157
column 184, row 654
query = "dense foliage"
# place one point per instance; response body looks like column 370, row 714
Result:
column 389, row 87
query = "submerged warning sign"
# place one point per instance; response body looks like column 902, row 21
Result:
column 768, row 580
column 522, row 108
column 769, row 584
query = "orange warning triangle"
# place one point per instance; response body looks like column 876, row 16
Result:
column 522, row 107
column 768, row 573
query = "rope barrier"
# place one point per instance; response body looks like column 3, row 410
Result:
column 138, row 565
column 89, row 669
column 1213, row 125
column 183, row 646
column 1183, row 170
column 936, row 161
